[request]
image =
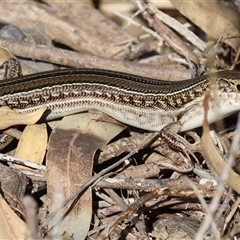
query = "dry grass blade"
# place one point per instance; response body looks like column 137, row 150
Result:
column 212, row 156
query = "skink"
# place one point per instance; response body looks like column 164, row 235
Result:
column 133, row 100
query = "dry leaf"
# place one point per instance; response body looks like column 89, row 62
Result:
column 12, row 227
column 69, row 161
column 13, row 183
column 10, row 117
column 32, row 144
column 212, row 156
column 214, row 18
column 4, row 55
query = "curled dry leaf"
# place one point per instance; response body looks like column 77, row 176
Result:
column 214, row 18
column 212, row 156
column 10, row 117
column 69, row 161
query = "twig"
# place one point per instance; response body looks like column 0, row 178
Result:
column 75, row 59
column 23, row 162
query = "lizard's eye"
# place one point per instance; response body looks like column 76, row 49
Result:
column 238, row 87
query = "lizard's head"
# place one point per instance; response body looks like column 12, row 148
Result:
column 229, row 82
